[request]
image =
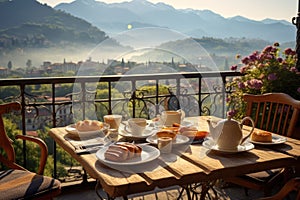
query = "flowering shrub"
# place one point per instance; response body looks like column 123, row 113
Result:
column 268, row 71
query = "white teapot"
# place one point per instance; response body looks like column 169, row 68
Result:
column 227, row 134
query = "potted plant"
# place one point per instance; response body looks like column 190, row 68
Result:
column 270, row 70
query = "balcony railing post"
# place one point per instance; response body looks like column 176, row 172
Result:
column 23, row 111
column 296, row 22
column 54, row 125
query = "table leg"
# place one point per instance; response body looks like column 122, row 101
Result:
column 201, row 190
column 98, row 185
column 97, row 188
column 84, row 176
column 186, row 188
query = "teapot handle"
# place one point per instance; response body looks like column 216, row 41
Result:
column 253, row 126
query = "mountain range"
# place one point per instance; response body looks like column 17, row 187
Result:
column 27, row 23
column 115, row 17
column 71, row 31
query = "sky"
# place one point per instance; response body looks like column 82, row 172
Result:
column 252, row 9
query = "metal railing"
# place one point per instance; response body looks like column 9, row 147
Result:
column 131, row 95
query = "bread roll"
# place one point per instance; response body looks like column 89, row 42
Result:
column 89, row 125
column 261, row 136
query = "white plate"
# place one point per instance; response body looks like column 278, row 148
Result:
column 150, row 130
column 276, row 139
column 149, row 153
column 180, row 139
column 241, row 148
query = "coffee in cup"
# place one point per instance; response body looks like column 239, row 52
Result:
column 136, row 126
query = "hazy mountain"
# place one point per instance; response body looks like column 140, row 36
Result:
column 28, row 23
column 30, row 30
column 114, row 18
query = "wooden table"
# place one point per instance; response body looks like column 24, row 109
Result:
column 184, row 166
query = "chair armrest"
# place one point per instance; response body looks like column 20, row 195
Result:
column 43, row 147
column 10, row 164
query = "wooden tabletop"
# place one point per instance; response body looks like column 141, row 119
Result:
column 185, row 165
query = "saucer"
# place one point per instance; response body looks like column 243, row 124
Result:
column 147, row 132
column 246, row 146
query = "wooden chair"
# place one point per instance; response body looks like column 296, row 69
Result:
column 275, row 112
column 15, row 181
column 292, row 185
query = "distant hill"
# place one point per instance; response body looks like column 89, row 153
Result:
column 114, row 18
column 27, row 23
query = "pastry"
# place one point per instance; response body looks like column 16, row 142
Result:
column 122, row 151
column 261, row 136
column 166, row 133
column 172, row 129
column 196, row 135
column 89, row 125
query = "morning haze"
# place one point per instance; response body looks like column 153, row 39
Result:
column 69, row 32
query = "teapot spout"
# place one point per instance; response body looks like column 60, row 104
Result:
column 209, row 125
column 212, row 130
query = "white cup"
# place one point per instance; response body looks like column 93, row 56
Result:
column 136, row 126
column 171, row 116
column 113, row 120
column 164, row 144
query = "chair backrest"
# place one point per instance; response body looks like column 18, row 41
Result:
column 5, row 141
column 275, row 112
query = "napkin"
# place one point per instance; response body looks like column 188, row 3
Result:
column 87, row 146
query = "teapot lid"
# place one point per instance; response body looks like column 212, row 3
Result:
column 228, row 121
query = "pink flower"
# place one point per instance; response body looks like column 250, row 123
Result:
column 289, row 51
column 267, row 49
column 298, row 90
column 241, row 85
column 255, row 84
column 253, row 57
column 293, row 69
column 269, row 56
column 233, row 67
column 260, row 65
column 246, row 60
column 231, row 113
column 243, row 69
column 272, row 77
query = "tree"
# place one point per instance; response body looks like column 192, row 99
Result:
column 9, row 65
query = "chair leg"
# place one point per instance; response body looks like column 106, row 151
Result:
column 246, row 190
